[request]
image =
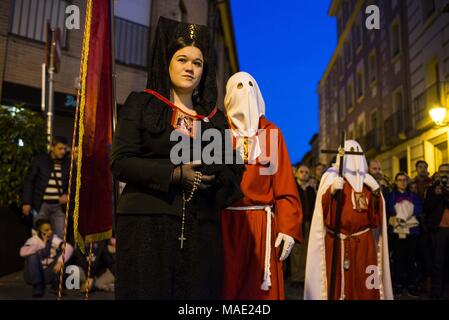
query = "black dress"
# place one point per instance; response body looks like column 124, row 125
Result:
column 150, row 262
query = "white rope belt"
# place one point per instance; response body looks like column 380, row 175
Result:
column 342, row 238
column 266, row 284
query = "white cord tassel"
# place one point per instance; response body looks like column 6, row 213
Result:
column 342, row 238
column 266, row 284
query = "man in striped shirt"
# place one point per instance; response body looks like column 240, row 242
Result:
column 46, row 186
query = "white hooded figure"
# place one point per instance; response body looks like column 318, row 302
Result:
column 376, row 277
column 269, row 215
column 244, row 106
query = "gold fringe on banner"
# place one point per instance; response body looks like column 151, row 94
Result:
column 85, row 57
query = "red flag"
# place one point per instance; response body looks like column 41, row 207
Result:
column 93, row 197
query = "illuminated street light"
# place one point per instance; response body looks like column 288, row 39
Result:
column 438, row 114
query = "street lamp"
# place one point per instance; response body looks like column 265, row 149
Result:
column 438, row 114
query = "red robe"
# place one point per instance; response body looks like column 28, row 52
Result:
column 361, row 249
column 244, row 232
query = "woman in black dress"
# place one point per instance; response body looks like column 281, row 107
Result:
column 167, row 227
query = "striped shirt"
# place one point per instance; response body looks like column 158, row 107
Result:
column 54, row 186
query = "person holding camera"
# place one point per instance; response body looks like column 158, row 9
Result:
column 437, row 222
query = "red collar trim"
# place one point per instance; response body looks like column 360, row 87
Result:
column 171, row 105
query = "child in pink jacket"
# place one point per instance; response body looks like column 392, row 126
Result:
column 43, row 257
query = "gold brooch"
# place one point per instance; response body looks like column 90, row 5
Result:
column 192, row 29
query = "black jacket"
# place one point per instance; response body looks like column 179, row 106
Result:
column 38, row 176
column 307, row 198
column 141, row 159
column 434, row 207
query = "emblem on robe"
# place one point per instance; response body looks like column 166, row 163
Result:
column 360, row 201
column 183, row 122
column 245, row 146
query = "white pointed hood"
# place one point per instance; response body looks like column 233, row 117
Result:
column 244, row 105
column 355, row 167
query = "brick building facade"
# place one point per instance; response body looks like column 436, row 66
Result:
column 22, row 48
column 381, row 83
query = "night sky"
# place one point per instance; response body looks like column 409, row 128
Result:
column 286, row 45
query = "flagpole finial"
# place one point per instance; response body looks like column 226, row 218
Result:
column 341, row 151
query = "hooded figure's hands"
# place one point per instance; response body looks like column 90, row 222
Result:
column 337, row 184
column 371, row 183
column 287, row 246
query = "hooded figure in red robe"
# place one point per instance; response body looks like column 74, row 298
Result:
column 269, row 215
column 363, row 269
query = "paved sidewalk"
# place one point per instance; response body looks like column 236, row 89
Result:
column 12, row 287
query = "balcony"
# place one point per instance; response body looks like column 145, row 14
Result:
column 371, row 141
column 434, row 95
column 395, row 127
column 131, row 42
column 29, row 17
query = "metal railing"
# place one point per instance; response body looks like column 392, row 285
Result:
column 28, row 18
column 396, row 125
column 371, row 140
column 131, row 42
